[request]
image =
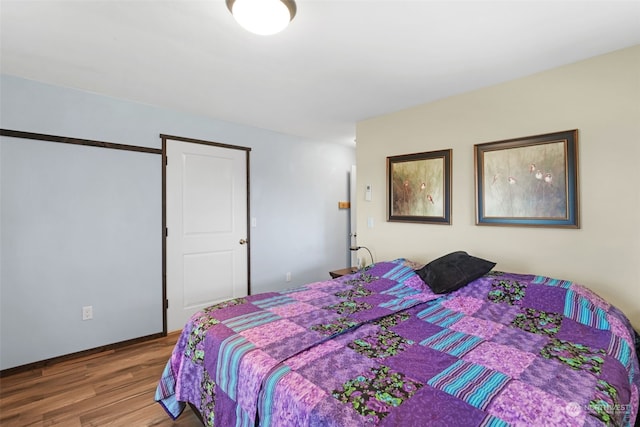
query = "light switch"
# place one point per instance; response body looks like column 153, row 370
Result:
column 370, row 222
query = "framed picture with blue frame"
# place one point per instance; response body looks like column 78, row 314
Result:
column 530, row 181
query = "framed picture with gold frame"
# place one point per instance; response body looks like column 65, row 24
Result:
column 530, row 181
column 419, row 187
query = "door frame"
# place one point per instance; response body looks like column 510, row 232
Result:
column 247, row 150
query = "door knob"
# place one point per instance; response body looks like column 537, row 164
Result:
column 243, row 241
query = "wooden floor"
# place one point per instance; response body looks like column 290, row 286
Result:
column 113, row 388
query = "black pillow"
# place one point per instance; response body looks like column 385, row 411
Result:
column 453, row 271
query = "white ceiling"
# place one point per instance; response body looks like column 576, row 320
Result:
column 338, row 62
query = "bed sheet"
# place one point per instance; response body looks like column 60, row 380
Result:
column 379, row 348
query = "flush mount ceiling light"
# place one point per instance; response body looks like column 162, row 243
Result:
column 263, row 17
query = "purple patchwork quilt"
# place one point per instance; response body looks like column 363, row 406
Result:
column 379, row 348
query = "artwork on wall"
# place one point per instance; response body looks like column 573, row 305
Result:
column 419, row 187
column 531, row 181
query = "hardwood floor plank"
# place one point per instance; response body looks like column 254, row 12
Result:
column 72, row 422
column 71, row 364
column 112, row 388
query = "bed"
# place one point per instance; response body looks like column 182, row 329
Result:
column 394, row 345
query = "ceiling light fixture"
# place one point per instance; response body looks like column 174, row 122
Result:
column 263, row 17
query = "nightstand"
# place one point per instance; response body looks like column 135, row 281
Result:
column 343, row 272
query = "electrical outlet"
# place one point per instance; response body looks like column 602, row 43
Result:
column 288, row 277
column 87, row 312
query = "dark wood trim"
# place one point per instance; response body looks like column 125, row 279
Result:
column 58, row 359
column 77, row 141
column 248, row 223
column 201, row 141
column 247, row 150
column 164, row 235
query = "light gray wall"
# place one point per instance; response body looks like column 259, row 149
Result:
column 296, row 184
column 81, row 226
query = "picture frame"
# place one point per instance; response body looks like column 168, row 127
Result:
column 419, row 187
column 530, row 181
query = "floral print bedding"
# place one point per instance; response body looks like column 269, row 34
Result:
column 379, row 348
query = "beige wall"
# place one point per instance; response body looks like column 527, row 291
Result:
column 601, row 98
